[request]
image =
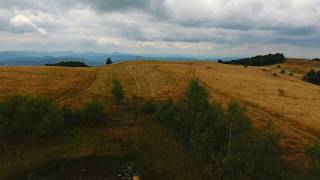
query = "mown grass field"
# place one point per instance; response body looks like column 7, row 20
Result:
column 289, row 103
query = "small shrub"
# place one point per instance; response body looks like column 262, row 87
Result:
column 283, row 71
column 281, row 92
column 245, row 66
column 275, row 74
column 291, row 74
column 92, row 113
column 117, row 92
column 29, row 117
column 313, row 152
column 312, row 77
column 278, row 66
column 149, row 107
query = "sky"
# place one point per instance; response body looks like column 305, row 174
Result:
column 225, row 28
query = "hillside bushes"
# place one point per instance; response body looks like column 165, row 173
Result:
column 224, row 139
column 260, row 60
column 24, row 117
column 69, row 64
column 117, row 92
column 312, row 77
column 313, row 152
column 92, row 113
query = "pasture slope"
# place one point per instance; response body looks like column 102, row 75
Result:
column 285, row 100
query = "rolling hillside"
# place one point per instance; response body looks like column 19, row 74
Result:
column 289, row 103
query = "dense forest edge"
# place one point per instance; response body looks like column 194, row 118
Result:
column 260, row 60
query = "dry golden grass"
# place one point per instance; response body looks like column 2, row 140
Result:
column 291, row 104
column 65, row 85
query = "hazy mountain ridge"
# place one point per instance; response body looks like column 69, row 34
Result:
column 34, row 58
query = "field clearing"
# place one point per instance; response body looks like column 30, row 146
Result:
column 289, row 103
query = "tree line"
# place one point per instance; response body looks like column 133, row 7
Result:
column 69, row 64
column 260, row 60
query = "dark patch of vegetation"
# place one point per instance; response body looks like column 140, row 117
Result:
column 312, row 77
column 224, row 140
column 316, row 59
column 260, row 60
column 29, row 117
column 117, row 92
column 149, row 107
column 92, row 113
column 278, row 66
column 109, row 61
column 291, row 74
column 313, row 152
column 69, row 64
column 275, row 74
column 283, row 71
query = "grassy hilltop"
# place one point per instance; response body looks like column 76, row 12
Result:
column 273, row 94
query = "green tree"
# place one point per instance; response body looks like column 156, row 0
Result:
column 193, row 108
column 117, row 92
column 92, row 113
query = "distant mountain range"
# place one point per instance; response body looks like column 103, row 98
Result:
column 34, row 58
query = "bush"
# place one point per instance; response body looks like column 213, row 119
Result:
column 117, row 92
column 148, row 107
column 313, row 152
column 283, row 71
column 312, row 77
column 92, row 113
column 71, row 117
column 31, row 117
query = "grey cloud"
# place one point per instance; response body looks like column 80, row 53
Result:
column 228, row 23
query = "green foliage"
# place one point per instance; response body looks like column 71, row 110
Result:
column 312, row 77
column 148, row 107
column 313, row 152
column 117, row 92
column 69, row 64
column 166, row 113
column 259, row 60
column 92, row 113
column 226, row 140
column 26, row 116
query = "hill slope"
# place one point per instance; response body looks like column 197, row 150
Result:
column 291, row 104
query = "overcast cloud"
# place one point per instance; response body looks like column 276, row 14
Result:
column 193, row 27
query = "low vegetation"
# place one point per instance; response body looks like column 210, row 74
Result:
column 312, row 77
column 117, row 92
column 260, row 60
column 27, row 117
column 223, row 139
column 69, row 64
